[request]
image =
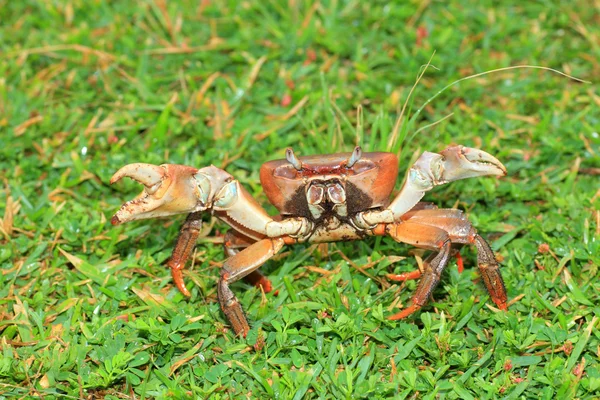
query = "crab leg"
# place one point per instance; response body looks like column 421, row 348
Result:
column 183, row 249
column 490, row 272
column 460, row 231
column 237, row 267
column 451, row 220
column 431, row 238
column 236, row 242
column 412, row 275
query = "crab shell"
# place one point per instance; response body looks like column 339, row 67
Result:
column 368, row 182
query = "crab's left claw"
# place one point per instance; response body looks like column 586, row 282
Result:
column 432, row 169
column 461, row 162
column 168, row 189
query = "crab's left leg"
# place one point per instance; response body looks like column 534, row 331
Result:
column 237, row 267
column 430, row 238
column 461, row 232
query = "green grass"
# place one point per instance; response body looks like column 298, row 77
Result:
column 88, row 310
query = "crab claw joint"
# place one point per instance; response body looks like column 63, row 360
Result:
column 168, row 189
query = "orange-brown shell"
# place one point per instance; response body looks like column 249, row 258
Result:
column 374, row 174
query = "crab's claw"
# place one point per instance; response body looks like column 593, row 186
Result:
column 432, row 169
column 461, row 162
column 168, row 189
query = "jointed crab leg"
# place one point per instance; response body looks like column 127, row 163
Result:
column 188, row 234
column 459, row 230
column 411, row 275
column 237, row 267
column 431, row 238
column 183, row 249
column 490, row 272
column 234, row 243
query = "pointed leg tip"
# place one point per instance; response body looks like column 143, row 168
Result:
column 266, row 286
column 459, row 263
column 183, row 289
column 400, row 315
column 404, row 313
column 240, row 329
column 407, row 276
column 395, row 317
column 177, row 276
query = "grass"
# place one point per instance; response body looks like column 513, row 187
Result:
column 88, row 310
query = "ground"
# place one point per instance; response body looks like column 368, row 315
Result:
column 88, row 310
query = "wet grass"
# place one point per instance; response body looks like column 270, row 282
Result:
column 88, row 310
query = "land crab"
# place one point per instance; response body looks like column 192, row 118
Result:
column 324, row 198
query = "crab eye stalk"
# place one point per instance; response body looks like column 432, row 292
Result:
column 292, row 159
column 354, row 157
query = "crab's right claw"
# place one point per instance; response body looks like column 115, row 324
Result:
column 168, row 189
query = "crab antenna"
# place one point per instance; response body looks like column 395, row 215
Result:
column 291, row 157
column 356, row 155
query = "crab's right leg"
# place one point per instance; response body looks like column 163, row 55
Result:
column 237, row 267
column 234, row 242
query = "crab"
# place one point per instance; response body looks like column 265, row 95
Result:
column 325, row 198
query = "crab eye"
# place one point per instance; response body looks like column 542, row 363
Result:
column 354, row 157
column 292, row 159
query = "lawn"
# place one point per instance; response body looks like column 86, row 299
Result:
column 89, row 310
